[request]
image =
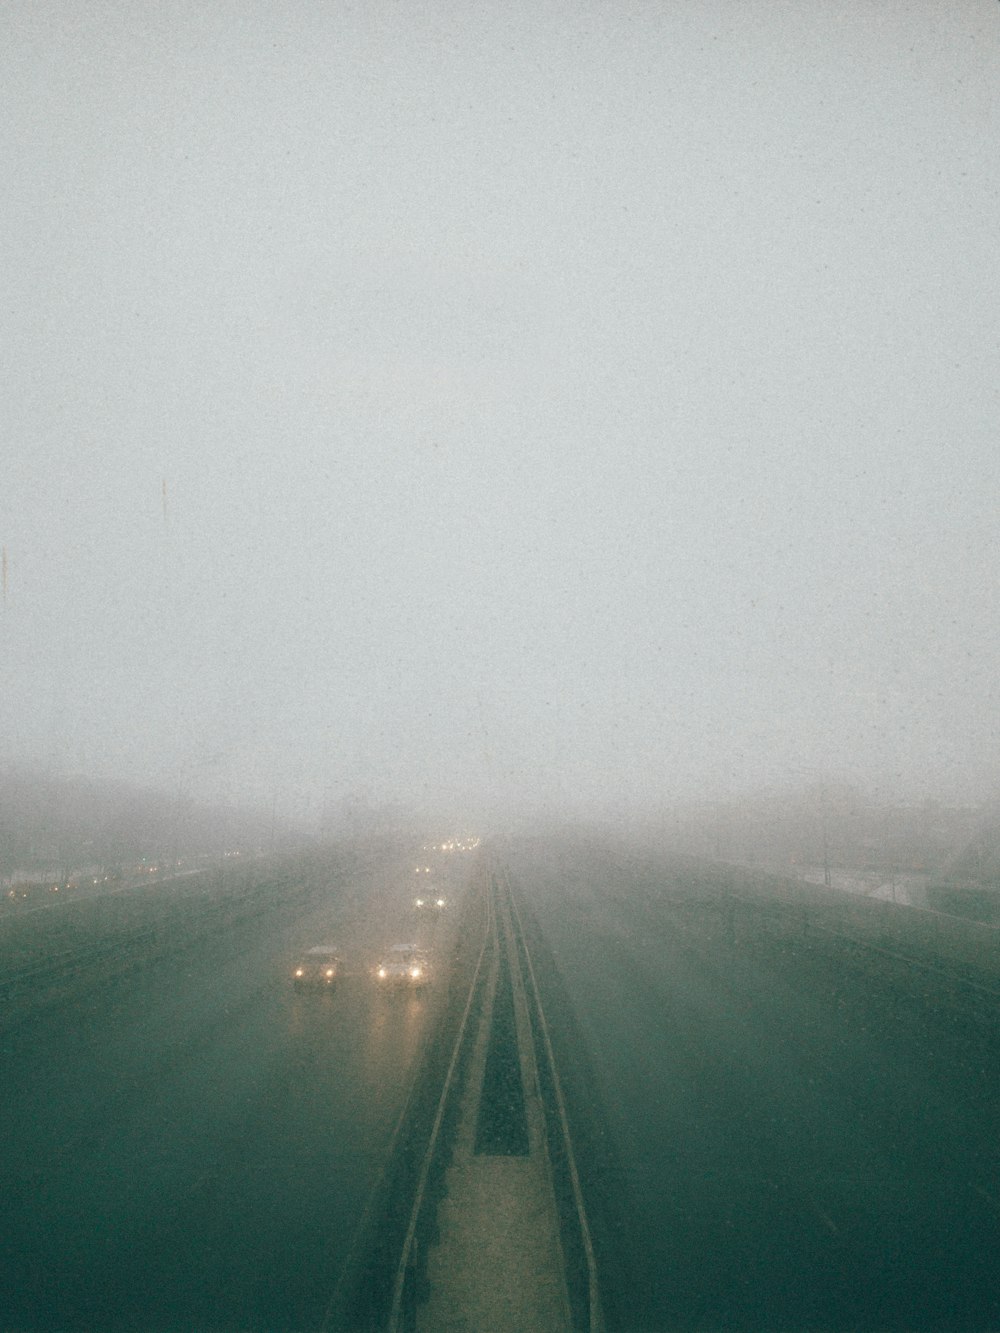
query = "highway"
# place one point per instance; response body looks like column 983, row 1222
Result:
column 777, row 1129
column 777, row 1125
column 188, row 1142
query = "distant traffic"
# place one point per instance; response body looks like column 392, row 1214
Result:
column 406, row 966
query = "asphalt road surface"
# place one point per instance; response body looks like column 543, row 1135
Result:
column 777, row 1129
column 186, row 1141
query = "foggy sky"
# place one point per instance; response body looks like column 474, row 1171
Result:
column 561, row 402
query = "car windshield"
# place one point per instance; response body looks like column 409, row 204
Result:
column 500, row 666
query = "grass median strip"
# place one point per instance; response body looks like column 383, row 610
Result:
column 502, row 1123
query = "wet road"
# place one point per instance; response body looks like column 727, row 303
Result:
column 190, row 1142
column 776, row 1131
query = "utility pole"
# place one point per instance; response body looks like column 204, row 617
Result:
column 824, row 816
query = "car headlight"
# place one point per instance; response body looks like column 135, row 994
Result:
column 381, row 971
column 414, row 972
column 329, row 971
column 440, row 902
column 420, row 902
column 298, row 971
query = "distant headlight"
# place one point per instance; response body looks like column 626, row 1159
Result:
column 420, row 902
column 440, row 902
column 298, row 972
column 381, row 971
column 329, row 971
column 414, row 971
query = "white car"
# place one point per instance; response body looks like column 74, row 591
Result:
column 434, row 903
column 403, row 965
column 317, row 967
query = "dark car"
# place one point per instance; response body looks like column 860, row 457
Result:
column 319, row 966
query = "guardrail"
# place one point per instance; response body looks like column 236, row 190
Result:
column 381, row 1276
column 965, row 949
column 578, row 1247
column 405, row 1287
column 966, row 953
column 407, row 1272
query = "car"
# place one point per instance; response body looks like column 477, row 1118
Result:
column 435, row 904
column 319, row 966
column 403, row 965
